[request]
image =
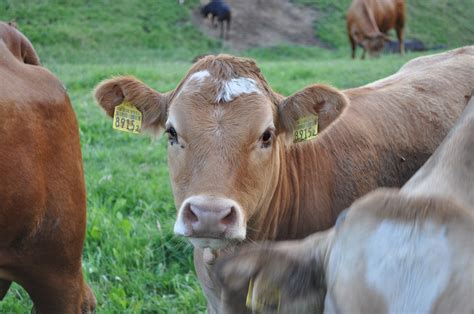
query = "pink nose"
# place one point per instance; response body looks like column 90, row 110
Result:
column 208, row 220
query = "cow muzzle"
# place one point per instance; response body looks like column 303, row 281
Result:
column 210, row 221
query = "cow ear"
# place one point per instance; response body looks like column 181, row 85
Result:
column 322, row 100
column 152, row 104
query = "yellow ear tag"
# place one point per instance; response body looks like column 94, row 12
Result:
column 127, row 118
column 269, row 299
column 306, row 129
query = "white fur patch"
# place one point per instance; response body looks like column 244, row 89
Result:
column 409, row 264
column 199, row 76
column 235, row 87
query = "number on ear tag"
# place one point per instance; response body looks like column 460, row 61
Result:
column 306, row 129
column 127, row 118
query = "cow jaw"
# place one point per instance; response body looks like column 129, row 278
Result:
column 210, row 222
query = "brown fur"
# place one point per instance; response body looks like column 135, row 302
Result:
column 368, row 22
column 296, row 267
column 42, row 195
column 379, row 136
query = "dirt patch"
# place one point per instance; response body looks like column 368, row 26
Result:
column 264, row 23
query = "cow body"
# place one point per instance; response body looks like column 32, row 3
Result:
column 42, row 195
column 393, row 251
column 368, row 21
column 220, row 10
column 235, row 175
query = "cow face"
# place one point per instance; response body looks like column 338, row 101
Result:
column 374, row 44
column 227, row 132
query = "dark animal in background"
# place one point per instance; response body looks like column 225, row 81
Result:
column 220, row 10
column 368, row 22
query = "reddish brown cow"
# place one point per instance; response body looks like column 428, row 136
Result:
column 236, row 176
column 368, row 22
column 42, row 195
column 394, row 251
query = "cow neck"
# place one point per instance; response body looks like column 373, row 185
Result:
column 300, row 202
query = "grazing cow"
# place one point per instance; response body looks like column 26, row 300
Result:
column 406, row 251
column 42, row 195
column 220, row 10
column 368, row 22
column 237, row 176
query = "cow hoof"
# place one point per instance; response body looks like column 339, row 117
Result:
column 4, row 286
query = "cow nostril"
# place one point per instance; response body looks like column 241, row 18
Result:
column 190, row 215
column 230, row 218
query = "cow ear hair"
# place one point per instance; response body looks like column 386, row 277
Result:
column 152, row 104
column 322, row 100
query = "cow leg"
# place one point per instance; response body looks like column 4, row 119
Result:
column 353, row 46
column 227, row 29
column 222, row 29
column 401, row 45
column 4, row 286
column 363, row 54
column 58, row 292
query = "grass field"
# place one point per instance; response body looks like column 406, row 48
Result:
column 132, row 261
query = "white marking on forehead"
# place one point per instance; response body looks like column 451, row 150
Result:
column 235, row 87
column 196, row 77
column 409, row 264
column 199, row 76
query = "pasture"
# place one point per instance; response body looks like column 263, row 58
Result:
column 132, row 260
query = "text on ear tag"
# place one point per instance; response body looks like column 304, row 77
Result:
column 127, row 118
column 306, row 129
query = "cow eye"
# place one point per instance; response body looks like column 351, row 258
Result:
column 172, row 135
column 266, row 138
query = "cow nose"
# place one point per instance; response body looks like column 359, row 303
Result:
column 208, row 221
column 211, row 217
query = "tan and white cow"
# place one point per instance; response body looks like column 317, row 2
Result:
column 394, row 251
column 236, row 176
column 42, row 190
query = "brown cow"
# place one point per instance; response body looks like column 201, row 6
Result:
column 235, row 175
column 42, row 195
column 368, row 22
column 407, row 251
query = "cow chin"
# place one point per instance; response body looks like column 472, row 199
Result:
column 212, row 243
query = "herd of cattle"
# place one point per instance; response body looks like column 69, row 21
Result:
column 238, row 177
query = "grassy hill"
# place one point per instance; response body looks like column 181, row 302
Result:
column 108, row 31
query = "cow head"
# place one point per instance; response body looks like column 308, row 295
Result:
column 374, row 43
column 226, row 131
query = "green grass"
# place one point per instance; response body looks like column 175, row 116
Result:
column 131, row 265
